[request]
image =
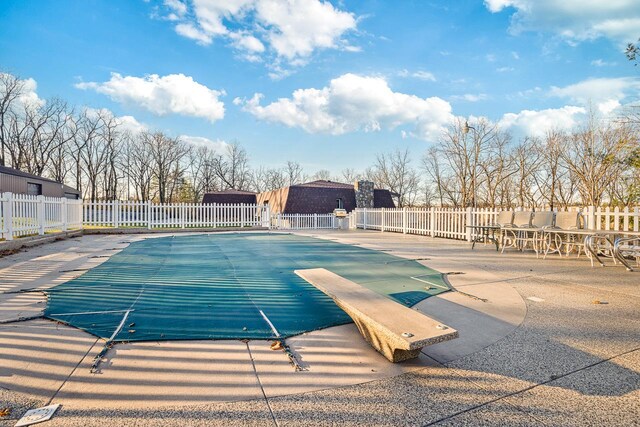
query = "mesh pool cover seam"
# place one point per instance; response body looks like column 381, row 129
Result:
column 218, row 286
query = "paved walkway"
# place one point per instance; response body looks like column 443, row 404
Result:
column 534, row 349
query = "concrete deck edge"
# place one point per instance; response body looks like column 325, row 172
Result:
column 8, row 246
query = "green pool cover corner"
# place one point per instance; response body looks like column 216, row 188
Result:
column 225, row 286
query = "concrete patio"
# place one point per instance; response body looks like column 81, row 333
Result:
column 534, row 349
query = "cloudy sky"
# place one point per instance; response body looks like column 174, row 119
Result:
column 328, row 84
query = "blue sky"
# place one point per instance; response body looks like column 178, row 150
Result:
column 327, row 84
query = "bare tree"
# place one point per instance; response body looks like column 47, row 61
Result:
column 11, row 88
column 349, row 175
column 167, row 154
column 294, row 173
column 232, row 168
column 591, row 156
column 322, row 175
column 394, row 171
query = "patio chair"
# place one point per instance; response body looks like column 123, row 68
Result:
column 564, row 221
column 628, row 247
column 539, row 222
column 505, row 218
column 521, row 220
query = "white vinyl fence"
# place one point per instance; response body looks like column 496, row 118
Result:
column 22, row 215
column 173, row 215
column 452, row 223
column 282, row 221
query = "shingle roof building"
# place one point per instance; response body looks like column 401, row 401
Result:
column 19, row 182
column 319, row 197
column 230, row 197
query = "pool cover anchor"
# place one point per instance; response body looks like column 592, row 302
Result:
column 293, row 359
column 108, row 345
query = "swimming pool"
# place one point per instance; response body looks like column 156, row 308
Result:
column 227, row 286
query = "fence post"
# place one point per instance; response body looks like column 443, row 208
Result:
column 469, row 221
column 182, row 215
column 149, row 214
column 115, row 214
column 382, row 219
column 364, row 218
column 404, row 220
column 40, row 214
column 591, row 218
column 268, row 215
column 63, row 214
column 432, row 221
column 7, row 210
column 315, row 220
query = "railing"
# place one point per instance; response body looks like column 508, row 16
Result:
column 151, row 215
column 451, row 223
column 23, row 215
column 282, row 221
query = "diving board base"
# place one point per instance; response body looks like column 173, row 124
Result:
column 396, row 331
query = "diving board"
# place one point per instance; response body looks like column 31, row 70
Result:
column 396, row 331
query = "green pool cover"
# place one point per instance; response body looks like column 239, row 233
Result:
column 226, row 286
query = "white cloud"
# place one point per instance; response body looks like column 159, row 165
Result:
column 574, row 20
column 188, row 30
column 497, row 5
column 173, row 93
column 601, row 63
column 178, row 8
column 421, row 75
column 298, row 27
column 125, row 123
column 354, row 103
column 598, row 90
column 470, row 97
column 505, row 69
column 287, row 30
column 29, row 95
column 608, row 107
column 199, row 141
column 537, row 123
column 130, row 124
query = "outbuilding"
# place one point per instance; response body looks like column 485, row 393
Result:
column 19, row 182
column 323, row 196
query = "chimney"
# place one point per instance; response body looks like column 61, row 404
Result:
column 364, row 194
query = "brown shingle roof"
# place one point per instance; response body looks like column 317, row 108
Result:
column 232, row 191
column 321, row 183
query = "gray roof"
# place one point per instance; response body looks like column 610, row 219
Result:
column 10, row 171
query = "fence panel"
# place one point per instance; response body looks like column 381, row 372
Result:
column 282, row 221
column 172, row 215
column 451, row 223
column 24, row 215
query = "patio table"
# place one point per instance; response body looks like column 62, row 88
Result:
column 485, row 233
column 598, row 241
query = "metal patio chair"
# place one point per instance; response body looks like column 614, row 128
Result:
column 521, row 220
column 557, row 238
column 540, row 221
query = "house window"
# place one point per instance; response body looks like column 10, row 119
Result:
column 34, row 189
column 339, row 204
